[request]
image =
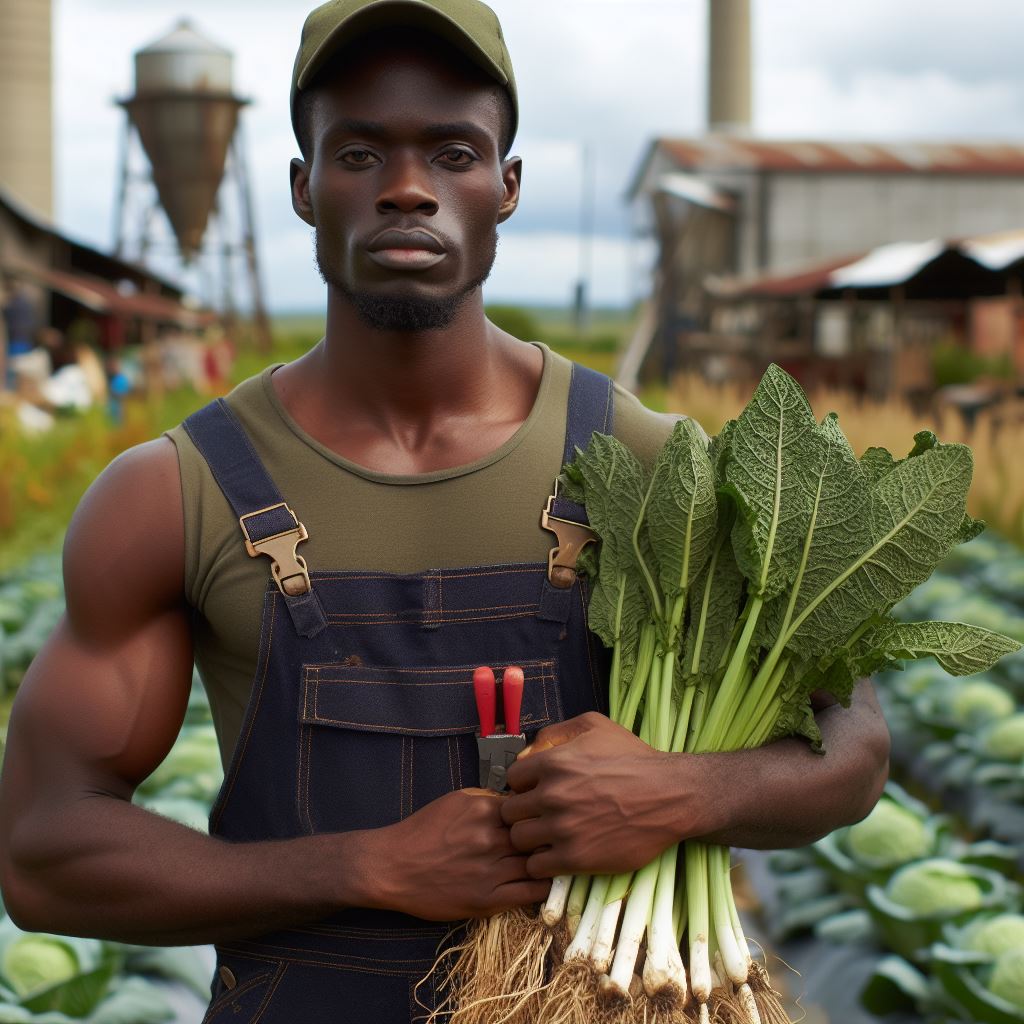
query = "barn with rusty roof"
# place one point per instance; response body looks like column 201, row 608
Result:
column 738, row 218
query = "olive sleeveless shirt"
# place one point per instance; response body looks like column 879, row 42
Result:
column 486, row 512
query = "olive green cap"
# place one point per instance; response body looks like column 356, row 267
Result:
column 469, row 25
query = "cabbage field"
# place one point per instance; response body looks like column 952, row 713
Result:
column 912, row 916
column 51, row 979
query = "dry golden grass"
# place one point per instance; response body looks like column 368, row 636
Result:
column 997, row 438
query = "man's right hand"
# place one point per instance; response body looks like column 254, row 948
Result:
column 454, row 859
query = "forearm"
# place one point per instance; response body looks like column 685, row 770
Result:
column 106, row 868
column 785, row 795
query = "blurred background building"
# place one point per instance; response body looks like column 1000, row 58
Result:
column 768, row 249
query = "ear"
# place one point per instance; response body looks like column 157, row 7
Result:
column 511, row 177
column 300, row 191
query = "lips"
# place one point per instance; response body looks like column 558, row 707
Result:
column 406, row 240
column 406, row 250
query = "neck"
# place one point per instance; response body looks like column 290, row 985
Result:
column 406, row 401
column 406, row 374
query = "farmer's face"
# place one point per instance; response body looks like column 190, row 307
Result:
column 405, row 185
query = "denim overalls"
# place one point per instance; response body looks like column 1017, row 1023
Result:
column 362, row 711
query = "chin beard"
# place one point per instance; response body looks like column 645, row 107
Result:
column 404, row 313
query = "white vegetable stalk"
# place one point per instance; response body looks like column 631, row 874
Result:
column 634, row 924
column 554, row 907
column 583, row 941
column 604, row 942
column 662, row 949
column 577, row 901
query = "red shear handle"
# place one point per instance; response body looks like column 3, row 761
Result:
column 484, row 689
column 512, row 695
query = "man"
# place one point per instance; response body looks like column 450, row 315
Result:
column 417, row 444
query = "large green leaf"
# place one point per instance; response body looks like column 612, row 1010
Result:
column 837, row 530
column 613, row 486
column 916, row 515
column 773, row 461
column 77, row 997
column 714, row 604
column 682, row 511
column 177, row 963
column 133, row 1001
column 959, row 648
column 875, row 463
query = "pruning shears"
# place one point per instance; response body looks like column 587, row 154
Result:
column 498, row 750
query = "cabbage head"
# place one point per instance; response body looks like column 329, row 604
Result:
column 1007, row 980
column 888, row 836
column 979, row 702
column 36, row 962
column 1005, row 740
column 935, row 886
column 996, row 935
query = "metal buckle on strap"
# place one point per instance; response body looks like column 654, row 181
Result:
column 572, row 539
column 288, row 568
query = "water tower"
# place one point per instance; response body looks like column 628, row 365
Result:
column 186, row 115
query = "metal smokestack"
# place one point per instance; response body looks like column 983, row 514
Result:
column 26, row 103
column 729, row 75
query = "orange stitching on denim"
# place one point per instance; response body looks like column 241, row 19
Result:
column 418, row 670
column 394, row 730
column 532, row 567
column 277, row 957
column 484, row 608
column 460, row 683
column 451, row 765
column 358, row 968
column 401, row 782
column 237, row 762
column 225, row 998
column 356, row 932
column 455, row 573
column 339, row 620
column 270, row 994
column 412, row 774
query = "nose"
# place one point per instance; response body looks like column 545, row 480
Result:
column 406, row 188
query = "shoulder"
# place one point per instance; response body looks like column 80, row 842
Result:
column 640, row 429
column 124, row 548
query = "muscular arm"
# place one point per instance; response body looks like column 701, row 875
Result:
column 601, row 800
column 99, row 709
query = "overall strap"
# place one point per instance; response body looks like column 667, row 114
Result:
column 269, row 526
column 590, row 410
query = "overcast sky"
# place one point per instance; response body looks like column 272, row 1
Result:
column 608, row 73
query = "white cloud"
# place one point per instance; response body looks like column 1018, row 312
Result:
column 543, row 267
column 884, row 105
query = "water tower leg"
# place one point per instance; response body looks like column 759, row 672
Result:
column 122, row 188
column 260, row 320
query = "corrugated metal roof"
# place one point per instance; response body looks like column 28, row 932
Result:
column 103, row 297
column 886, row 266
column 721, row 152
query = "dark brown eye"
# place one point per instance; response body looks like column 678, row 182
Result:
column 357, row 157
column 458, row 157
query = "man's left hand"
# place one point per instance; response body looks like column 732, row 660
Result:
column 589, row 797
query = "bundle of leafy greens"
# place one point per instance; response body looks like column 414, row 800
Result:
column 733, row 581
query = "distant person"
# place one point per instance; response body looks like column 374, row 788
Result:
column 416, row 445
column 119, row 385
column 21, row 321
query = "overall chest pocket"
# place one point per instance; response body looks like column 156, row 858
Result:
column 377, row 743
